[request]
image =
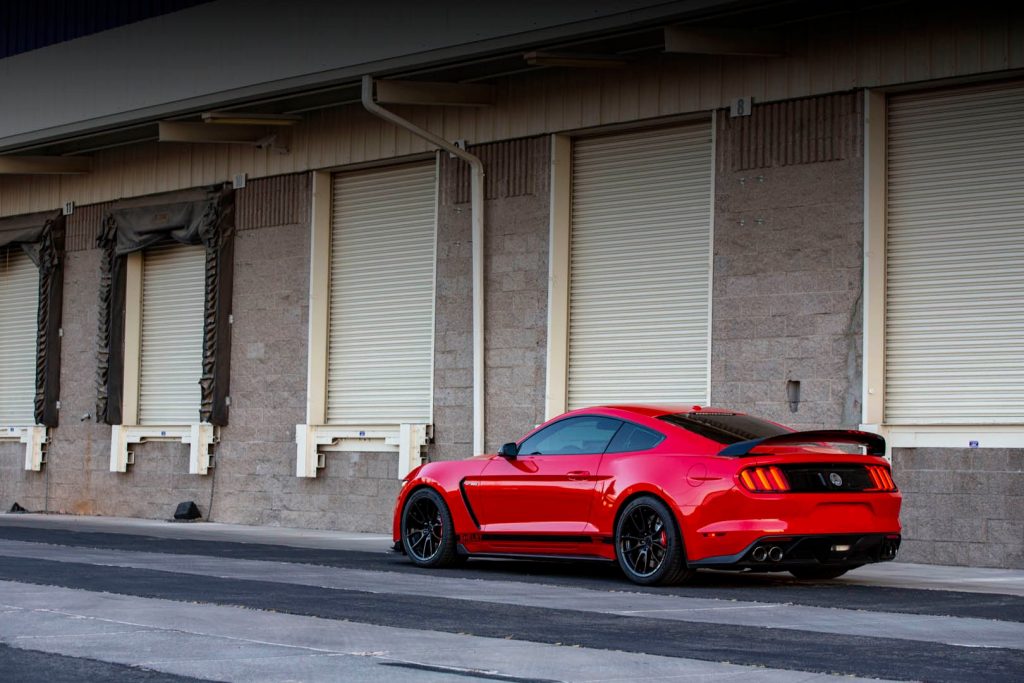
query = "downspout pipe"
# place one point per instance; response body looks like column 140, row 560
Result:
column 477, row 215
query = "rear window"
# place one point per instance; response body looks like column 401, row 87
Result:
column 631, row 438
column 725, row 428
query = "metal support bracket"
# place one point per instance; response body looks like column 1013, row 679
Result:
column 406, row 439
column 947, row 436
column 198, row 436
column 35, row 438
column 412, row 437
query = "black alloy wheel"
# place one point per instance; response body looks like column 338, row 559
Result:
column 648, row 545
column 428, row 535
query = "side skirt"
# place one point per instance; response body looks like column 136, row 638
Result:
column 461, row 549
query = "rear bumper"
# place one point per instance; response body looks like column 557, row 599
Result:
column 781, row 553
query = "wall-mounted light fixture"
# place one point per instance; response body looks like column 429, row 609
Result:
column 793, row 394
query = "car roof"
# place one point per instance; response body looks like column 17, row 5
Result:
column 657, row 410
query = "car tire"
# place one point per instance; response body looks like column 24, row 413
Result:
column 648, row 545
column 819, row 573
column 428, row 535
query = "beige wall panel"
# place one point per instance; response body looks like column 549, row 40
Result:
column 892, row 57
column 8, row 193
column 1015, row 40
column 274, row 201
column 942, row 42
column 709, row 82
column 829, row 54
column 918, row 50
column 994, row 47
column 968, row 49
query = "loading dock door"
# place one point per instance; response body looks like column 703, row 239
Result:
column 639, row 273
column 171, row 354
column 955, row 257
column 19, row 292
column 381, row 331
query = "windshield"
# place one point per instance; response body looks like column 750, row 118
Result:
column 725, row 428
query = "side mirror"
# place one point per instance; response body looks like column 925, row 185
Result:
column 509, row 450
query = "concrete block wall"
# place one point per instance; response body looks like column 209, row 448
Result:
column 255, row 474
column 788, row 254
column 453, row 329
column 788, row 261
column 79, row 448
column 253, row 481
column 27, row 489
column 962, row 506
column 786, row 306
column 76, row 478
column 256, row 457
column 516, row 273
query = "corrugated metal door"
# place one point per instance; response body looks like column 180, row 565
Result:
column 19, row 297
column 171, row 359
column 381, row 336
column 640, row 256
column 955, row 257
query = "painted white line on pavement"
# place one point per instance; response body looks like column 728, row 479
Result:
column 698, row 609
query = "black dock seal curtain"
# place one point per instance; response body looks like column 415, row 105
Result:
column 209, row 221
column 41, row 236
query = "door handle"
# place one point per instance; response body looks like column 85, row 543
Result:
column 578, row 475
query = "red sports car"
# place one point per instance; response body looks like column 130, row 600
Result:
column 662, row 490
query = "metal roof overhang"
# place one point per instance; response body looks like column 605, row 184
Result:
column 630, row 33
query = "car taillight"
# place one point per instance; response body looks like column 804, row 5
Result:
column 764, row 479
column 881, row 478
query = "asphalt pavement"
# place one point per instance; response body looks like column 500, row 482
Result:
column 89, row 598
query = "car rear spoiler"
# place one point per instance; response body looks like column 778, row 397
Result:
column 875, row 444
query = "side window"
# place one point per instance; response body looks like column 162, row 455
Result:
column 584, row 434
column 634, row 438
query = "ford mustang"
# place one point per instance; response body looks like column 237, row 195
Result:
column 662, row 491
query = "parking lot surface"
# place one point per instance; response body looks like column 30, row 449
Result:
column 112, row 599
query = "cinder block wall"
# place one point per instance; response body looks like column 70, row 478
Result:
column 787, row 306
column 79, row 450
column 516, row 274
column 254, row 479
column 27, row 489
column 788, row 261
column 786, row 300
column 962, row 506
column 76, row 478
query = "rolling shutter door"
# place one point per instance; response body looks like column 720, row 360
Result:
column 19, row 292
column 955, row 257
column 640, row 255
column 171, row 360
column 381, row 335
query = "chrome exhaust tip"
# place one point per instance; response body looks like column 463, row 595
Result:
column 775, row 553
column 760, row 553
